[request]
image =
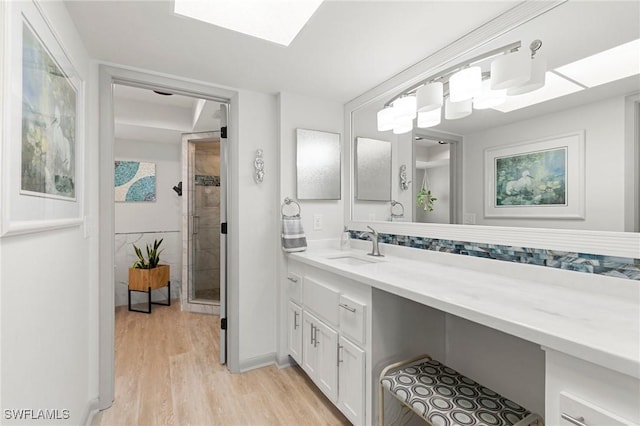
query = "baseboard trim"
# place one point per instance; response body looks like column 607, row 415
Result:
column 257, row 362
column 285, row 362
column 91, row 410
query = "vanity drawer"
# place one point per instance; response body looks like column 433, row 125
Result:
column 322, row 299
column 352, row 318
column 294, row 287
column 574, row 410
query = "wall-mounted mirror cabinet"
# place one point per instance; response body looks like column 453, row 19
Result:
column 592, row 87
column 317, row 165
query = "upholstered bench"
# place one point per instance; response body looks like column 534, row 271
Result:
column 442, row 396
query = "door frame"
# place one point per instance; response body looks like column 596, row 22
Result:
column 109, row 75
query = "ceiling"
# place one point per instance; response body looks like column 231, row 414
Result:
column 347, row 48
column 143, row 115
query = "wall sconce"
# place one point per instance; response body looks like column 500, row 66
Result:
column 465, row 86
column 404, row 183
column 178, row 189
column 258, row 165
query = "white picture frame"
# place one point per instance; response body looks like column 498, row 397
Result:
column 538, row 179
column 57, row 114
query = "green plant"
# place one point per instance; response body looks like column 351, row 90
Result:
column 153, row 256
column 425, row 199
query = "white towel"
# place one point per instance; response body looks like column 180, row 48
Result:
column 293, row 238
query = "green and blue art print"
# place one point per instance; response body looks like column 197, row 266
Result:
column 135, row 181
column 49, row 101
column 532, row 179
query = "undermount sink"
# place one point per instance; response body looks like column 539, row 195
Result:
column 349, row 259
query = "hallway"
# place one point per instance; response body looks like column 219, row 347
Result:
column 167, row 373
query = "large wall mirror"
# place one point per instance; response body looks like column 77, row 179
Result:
column 462, row 162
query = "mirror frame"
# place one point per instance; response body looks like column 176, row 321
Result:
column 623, row 244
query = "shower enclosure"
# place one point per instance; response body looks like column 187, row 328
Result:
column 203, row 212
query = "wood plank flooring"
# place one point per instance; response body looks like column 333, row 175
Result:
column 167, row 373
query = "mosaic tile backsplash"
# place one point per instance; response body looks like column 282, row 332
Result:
column 621, row 267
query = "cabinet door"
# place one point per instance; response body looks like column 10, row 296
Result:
column 294, row 331
column 351, row 381
column 325, row 343
column 309, row 351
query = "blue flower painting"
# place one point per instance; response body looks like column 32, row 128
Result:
column 135, row 181
column 532, row 179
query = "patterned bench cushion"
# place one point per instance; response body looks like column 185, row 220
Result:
column 442, row 396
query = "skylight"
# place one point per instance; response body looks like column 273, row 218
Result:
column 278, row 21
column 609, row 65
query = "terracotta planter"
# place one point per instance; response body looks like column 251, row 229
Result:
column 143, row 279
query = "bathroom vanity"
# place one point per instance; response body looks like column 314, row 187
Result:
column 556, row 342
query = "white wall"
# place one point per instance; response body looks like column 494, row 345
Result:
column 296, row 111
column 165, row 214
column 603, row 123
column 48, row 304
column 308, row 113
column 258, row 208
column 141, row 223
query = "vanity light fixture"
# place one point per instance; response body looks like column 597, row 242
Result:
column 405, row 108
column 456, row 110
column 538, row 65
column 429, row 118
column 430, row 97
column 465, row 86
column 386, row 119
column 489, row 98
column 510, row 70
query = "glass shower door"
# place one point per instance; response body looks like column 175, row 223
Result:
column 205, row 216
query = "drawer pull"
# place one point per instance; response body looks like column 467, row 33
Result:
column 293, row 280
column 576, row 421
column 347, row 307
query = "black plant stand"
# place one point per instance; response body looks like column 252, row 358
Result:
column 150, row 302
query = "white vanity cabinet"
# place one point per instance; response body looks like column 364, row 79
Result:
column 294, row 331
column 319, row 355
column 351, row 370
column 327, row 335
column 579, row 391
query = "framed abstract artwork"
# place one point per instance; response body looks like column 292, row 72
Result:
column 536, row 179
column 42, row 146
column 135, row 181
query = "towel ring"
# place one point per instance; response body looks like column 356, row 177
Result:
column 395, row 203
column 288, row 201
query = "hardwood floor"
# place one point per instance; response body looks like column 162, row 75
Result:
column 167, row 373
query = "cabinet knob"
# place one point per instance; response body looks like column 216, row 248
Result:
column 578, row 421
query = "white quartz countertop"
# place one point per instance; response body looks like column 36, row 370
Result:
column 598, row 328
